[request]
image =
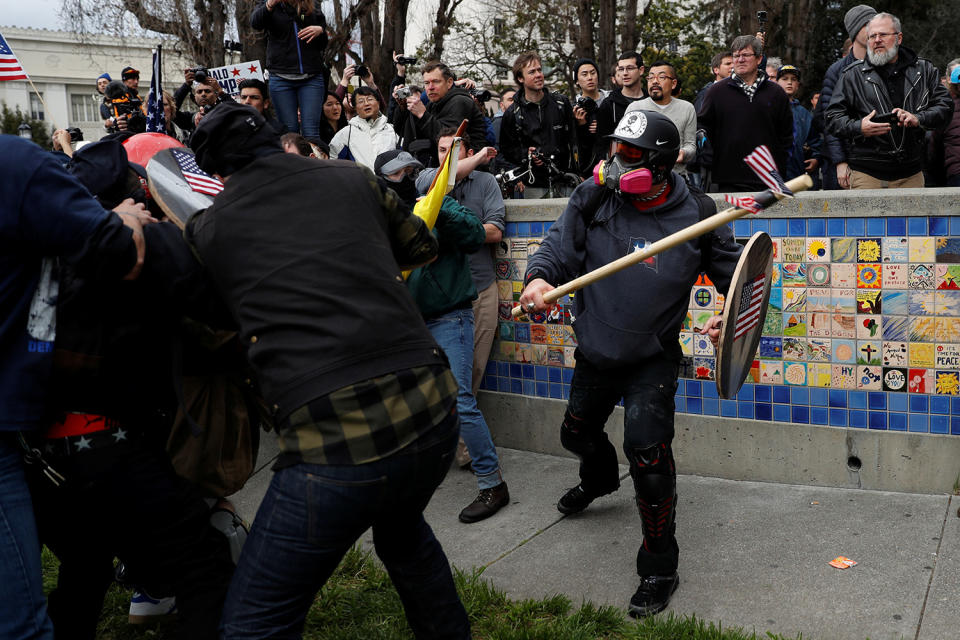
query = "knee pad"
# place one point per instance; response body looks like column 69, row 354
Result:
column 580, row 438
column 655, row 482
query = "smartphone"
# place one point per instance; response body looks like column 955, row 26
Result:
column 888, row 118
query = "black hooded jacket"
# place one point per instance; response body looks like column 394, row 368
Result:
column 547, row 125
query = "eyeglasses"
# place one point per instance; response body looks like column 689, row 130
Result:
column 744, row 56
column 881, row 36
column 660, row 76
column 627, row 69
column 366, row 99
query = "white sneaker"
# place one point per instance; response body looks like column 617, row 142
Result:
column 143, row 608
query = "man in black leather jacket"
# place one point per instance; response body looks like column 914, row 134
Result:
column 882, row 105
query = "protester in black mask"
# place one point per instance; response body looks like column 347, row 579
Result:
column 400, row 170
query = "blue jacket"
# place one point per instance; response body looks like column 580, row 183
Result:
column 44, row 213
column 636, row 312
column 805, row 134
column 833, row 148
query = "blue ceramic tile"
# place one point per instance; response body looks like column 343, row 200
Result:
column 681, row 385
column 897, row 402
column 761, row 224
column 728, row 408
column 838, row 398
column 516, row 386
column 878, row 420
column 858, row 419
column 762, row 392
column 939, row 226
column 511, row 228
column 897, row 421
column 680, row 403
column 741, row 228
column 567, row 376
column 875, row 226
column 516, row 371
column 491, row 367
column 955, row 225
column 940, row 404
column 816, row 227
column 877, row 400
column 939, row 424
column 835, row 227
column 488, row 383
column 838, row 417
column 556, row 390
column 543, row 390
column 541, row 373
column 798, row 395
column 856, row 227
column 499, row 368
column 819, row 415
column 536, row 228
column 694, row 405
column 857, row 400
column 763, row 411
column 555, row 374
column 918, row 404
column 711, row 407
column 800, row 414
column 896, row 226
column 709, row 390
column 797, row 227
column 781, row 412
column 778, row 227
column 546, row 226
column 529, row 388
column 746, row 393
column 781, row 394
column 917, row 226
column 919, row 422
column 955, row 426
column 523, row 229
column 745, row 409
column 819, row 397
column 693, row 388
column 528, row 373
column 955, row 406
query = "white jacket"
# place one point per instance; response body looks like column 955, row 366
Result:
column 366, row 139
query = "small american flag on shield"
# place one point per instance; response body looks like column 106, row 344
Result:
column 198, row 180
column 751, row 298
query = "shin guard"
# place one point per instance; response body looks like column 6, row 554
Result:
column 655, row 481
column 599, row 473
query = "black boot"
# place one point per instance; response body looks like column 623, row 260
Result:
column 653, row 595
column 578, row 498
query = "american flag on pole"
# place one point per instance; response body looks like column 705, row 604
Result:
column 763, row 164
column 155, row 120
column 751, row 298
column 198, row 180
column 747, row 203
column 10, row 67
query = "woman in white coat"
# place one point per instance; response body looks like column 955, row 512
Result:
column 367, row 135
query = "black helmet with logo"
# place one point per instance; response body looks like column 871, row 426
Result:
column 653, row 132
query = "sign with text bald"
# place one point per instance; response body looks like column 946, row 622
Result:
column 229, row 76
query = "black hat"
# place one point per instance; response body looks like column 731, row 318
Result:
column 392, row 161
column 788, row 68
column 129, row 72
column 856, row 18
column 582, row 61
column 232, row 136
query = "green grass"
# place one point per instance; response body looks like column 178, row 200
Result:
column 359, row 601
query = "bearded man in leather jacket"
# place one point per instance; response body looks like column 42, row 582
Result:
column 882, row 106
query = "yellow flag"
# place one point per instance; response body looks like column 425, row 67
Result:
column 428, row 207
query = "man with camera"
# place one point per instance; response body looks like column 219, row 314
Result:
column 587, row 102
column 882, row 106
column 539, row 125
column 449, row 106
column 206, row 93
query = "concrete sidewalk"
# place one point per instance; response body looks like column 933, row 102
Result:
column 753, row 555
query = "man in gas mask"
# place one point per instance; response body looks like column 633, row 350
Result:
column 627, row 328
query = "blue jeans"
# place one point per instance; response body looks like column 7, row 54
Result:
column 453, row 331
column 306, row 95
column 24, row 607
column 311, row 516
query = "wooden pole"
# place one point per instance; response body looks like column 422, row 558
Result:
column 707, row 225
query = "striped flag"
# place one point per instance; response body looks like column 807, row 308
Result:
column 751, row 298
column 747, row 203
column 10, row 67
column 156, row 122
column 198, row 180
column 763, row 164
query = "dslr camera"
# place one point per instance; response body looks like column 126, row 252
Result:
column 406, row 60
column 588, row 104
column 200, row 74
column 75, row 134
column 480, row 94
column 362, row 71
column 123, row 106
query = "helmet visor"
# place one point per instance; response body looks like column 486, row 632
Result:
column 628, row 153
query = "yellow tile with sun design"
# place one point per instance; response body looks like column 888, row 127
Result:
column 922, row 249
column 868, row 250
column 818, row 250
column 868, row 276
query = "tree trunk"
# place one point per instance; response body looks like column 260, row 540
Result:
column 607, row 36
column 254, row 42
column 584, row 42
column 628, row 28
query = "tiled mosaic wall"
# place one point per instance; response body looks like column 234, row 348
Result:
column 863, row 327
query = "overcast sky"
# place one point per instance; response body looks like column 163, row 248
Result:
column 39, row 14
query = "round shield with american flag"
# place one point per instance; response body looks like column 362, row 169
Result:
column 743, row 314
column 179, row 186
